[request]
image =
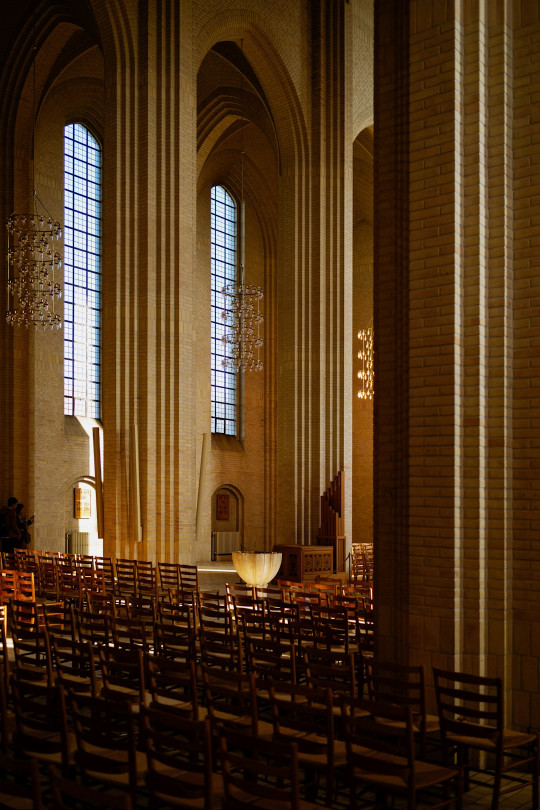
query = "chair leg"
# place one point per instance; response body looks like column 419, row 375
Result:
column 535, row 777
column 497, row 780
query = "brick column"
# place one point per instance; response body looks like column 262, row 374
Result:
column 316, row 317
column 455, row 458
column 148, row 372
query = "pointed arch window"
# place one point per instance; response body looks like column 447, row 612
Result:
column 224, row 269
column 82, row 272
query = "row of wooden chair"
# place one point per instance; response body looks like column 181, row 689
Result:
column 269, row 665
column 59, row 576
column 107, row 737
column 362, row 562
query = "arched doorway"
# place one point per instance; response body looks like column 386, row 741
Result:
column 227, row 510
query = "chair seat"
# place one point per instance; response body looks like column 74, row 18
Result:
column 511, row 739
column 313, row 741
column 245, row 800
column 120, row 777
column 427, row 774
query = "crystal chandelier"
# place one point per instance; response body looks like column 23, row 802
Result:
column 242, row 313
column 243, row 320
column 365, row 375
column 32, row 262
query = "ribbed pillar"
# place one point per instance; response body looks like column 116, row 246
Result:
column 148, row 295
column 315, row 414
column 454, row 527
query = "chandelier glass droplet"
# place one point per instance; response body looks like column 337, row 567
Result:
column 365, row 355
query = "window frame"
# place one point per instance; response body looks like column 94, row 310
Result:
column 219, row 351
column 83, row 259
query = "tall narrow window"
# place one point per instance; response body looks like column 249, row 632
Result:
column 224, row 226
column 82, row 272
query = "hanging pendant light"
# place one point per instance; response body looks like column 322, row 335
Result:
column 365, row 355
column 31, row 257
column 242, row 313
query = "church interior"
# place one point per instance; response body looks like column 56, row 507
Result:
column 341, row 171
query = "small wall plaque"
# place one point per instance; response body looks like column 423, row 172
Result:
column 82, row 503
column 222, row 506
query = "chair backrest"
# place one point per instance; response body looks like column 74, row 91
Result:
column 41, row 722
column 231, row 698
column 172, row 685
column 255, row 770
column 67, row 795
column 169, row 575
column 179, row 755
column 379, row 738
column 305, row 710
column 326, row 669
column 271, row 662
column 398, row 684
column 189, row 577
column 75, row 666
column 32, row 652
column 106, row 743
column 123, row 674
column 20, row 784
column 470, row 705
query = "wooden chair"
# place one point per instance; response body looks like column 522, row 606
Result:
column 404, row 685
column 106, row 751
column 93, row 626
column 230, row 698
column 59, row 620
column 471, row 716
column 179, row 759
column 306, row 716
column 130, row 633
column 20, row 787
column 260, row 773
column 47, row 581
column 336, row 671
column 75, row 667
column 69, row 795
column 32, row 653
column 381, row 758
column 181, row 613
column 213, row 614
column 122, row 672
column 25, row 586
column 126, row 576
column 6, row 716
column 9, row 560
column 169, row 577
column 93, row 584
column 146, row 575
column 171, row 686
column 85, row 561
column 40, row 723
column 175, row 641
column 271, row 663
column 221, row 650
column 189, row 579
column 105, row 564
column 24, row 614
column 70, row 585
